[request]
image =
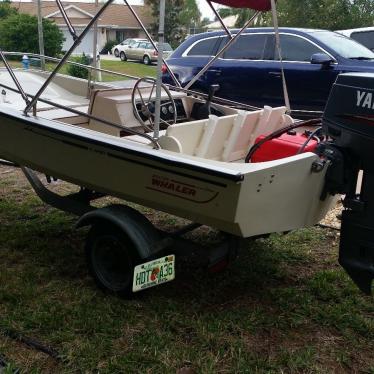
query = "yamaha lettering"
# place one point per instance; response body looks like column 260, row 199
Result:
column 365, row 99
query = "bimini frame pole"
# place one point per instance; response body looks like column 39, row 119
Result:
column 161, row 28
column 66, row 56
column 232, row 41
column 219, row 19
column 278, row 46
column 67, row 20
column 15, row 80
column 152, row 42
column 41, row 35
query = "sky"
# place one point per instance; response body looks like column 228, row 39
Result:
column 205, row 9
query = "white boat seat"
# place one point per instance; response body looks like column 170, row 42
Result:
column 226, row 138
column 170, row 143
column 271, row 120
column 183, row 137
column 236, row 146
column 215, row 135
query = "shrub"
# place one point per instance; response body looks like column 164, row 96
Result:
column 6, row 9
column 79, row 71
column 108, row 46
column 19, row 32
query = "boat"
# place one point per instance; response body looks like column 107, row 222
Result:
column 162, row 147
column 197, row 172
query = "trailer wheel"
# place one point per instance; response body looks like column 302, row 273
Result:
column 111, row 259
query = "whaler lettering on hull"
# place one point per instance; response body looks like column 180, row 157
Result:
column 181, row 190
column 365, row 99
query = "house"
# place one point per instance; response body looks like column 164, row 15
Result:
column 228, row 21
column 116, row 23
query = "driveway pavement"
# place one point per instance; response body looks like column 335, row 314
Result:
column 109, row 57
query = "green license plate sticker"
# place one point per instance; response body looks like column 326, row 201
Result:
column 153, row 273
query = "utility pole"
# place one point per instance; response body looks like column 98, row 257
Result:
column 95, row 61
column 40, row 34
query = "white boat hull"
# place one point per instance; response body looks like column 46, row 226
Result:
column 238, row 198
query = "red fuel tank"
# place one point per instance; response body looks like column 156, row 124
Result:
column 284, row 146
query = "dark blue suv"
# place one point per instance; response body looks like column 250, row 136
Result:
column 250, row 71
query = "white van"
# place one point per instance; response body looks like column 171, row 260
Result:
column 363, row 35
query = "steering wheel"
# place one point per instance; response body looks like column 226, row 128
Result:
column 144, row 105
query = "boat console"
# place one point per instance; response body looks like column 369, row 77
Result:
column 133, row 107
column 349, row 121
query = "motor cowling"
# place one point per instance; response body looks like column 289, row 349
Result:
column 349, row 120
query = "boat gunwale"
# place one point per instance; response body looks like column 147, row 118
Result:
column 43, row 124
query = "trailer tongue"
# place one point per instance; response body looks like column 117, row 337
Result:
column 349, row 120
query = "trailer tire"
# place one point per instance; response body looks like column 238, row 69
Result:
column 111, row 257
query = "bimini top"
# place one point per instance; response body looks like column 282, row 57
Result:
column 262, row 5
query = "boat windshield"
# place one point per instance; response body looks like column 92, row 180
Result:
column 345, row 47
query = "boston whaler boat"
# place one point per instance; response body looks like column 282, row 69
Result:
column 192, row 156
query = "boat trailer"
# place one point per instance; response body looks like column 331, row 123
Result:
column 121, row 238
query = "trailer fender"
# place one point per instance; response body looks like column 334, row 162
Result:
column 134, row 225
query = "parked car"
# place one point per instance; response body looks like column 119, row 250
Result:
column 363, row 35
column 144, row 51
column 250, row 70
column 121, row 47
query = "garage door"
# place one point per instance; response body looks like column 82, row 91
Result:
column 85, row 46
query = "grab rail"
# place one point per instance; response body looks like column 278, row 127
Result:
column 220, row 100
column 55, row 59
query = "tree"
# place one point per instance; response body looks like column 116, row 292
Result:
column 181, row 16
column 19, row 32
column 243, row 16
column 174, row 31
column 6, row 10
column 205, row 21
column 324, row 14
column 190, row 15
column 226, row 12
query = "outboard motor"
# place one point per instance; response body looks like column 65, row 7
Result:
column 349, row 120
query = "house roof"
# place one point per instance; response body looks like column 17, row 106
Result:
column 228, row 21
column 115, row 16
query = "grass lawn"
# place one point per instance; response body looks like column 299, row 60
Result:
column 132, row 68
column 284, row 306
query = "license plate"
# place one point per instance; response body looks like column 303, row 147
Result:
column 153, row 273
